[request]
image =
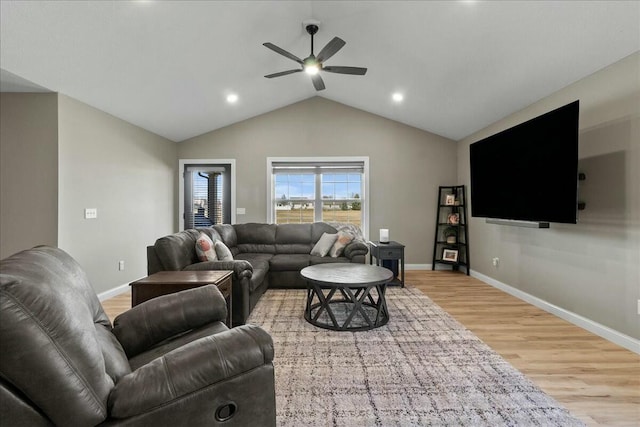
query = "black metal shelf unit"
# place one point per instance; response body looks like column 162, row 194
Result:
column 451, row 240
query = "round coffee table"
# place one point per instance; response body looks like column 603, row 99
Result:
column 346, row 297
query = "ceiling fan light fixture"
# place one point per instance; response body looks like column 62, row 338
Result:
column 312, row 69
column 311, row 66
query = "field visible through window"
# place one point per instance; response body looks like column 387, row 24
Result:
column 299, row 215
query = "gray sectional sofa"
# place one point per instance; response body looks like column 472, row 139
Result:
column 265, row 255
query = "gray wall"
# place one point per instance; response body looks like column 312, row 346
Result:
column 28, row 171
column 406, row 164
column 128, row 174
column 592, row 268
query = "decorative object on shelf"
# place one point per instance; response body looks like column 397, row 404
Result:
column 453, row 218
column 450, row 234
column 384, row 235
column 451, row 240
column 450, row 255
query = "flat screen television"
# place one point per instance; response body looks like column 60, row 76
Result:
column 530, row 171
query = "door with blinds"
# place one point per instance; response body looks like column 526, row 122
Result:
column 207, row 195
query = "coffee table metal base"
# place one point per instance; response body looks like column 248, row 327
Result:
column 361, row 309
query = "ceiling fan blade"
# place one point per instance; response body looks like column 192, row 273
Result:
column 358, row 71
column 283, row 73
column 283, row 52
column 317, row 82
column 330, row 49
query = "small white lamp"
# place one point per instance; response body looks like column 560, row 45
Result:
column 384, row 235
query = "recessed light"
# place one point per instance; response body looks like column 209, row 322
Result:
column 397, row 97
column 232, row 98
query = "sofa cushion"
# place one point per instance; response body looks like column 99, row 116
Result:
column 257, row 238
column 260, row 264
column 338, row 247
column 256, row 260
column 289, row 262
column 228, row 235
column 222, row 251
column 324, row 244
column 205, row 249
column 211, row 232
column 318, row 229
column 293, row 239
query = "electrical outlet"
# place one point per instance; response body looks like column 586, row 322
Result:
column 639, row 306
column 90, row 213
column 495, row 262
column 120, row 265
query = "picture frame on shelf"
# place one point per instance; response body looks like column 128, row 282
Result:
column 453, row 218
column 450, row 255
column 450, row 199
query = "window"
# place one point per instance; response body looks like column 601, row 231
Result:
column 206, row 196
column 330, row 190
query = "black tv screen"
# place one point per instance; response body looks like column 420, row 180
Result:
column 530, row 171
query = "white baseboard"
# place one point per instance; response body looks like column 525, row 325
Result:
column 417, row 267
column 603, row 331
column 113, row 292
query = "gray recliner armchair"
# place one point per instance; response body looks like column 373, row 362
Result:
column 170, row 361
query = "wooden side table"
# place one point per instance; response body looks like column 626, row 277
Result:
column 168, row 282
column 388, row 251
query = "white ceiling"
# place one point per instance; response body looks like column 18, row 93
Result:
column 167, row 66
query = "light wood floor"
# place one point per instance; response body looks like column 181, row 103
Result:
column 599, row 382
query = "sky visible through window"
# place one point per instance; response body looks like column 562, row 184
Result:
column 334, row 186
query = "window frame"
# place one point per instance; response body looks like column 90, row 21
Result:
column 364, row 197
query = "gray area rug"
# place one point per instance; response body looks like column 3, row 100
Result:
column 422, row 368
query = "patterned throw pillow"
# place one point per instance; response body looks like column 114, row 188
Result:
column 338, row 247
column 324, row 244
column 223, row 252
column 204, row 248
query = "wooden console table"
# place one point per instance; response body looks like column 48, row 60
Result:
column 168, row 282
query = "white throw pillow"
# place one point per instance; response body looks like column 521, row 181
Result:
column 205, row 249
column 338, row 247
column 324, row 244
column 223, row 252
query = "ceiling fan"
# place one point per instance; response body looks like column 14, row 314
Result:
column 312, row 65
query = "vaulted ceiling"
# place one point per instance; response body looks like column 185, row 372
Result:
column 168, row 66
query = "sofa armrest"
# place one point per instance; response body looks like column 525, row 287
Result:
column 354, row 248
column 240, row 268
column 160, row 318
column 189, row 369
